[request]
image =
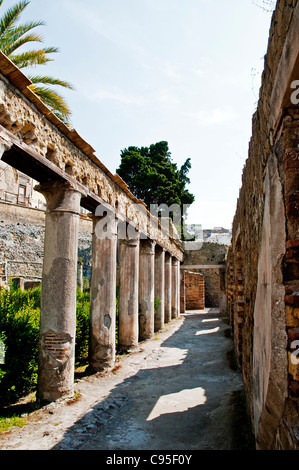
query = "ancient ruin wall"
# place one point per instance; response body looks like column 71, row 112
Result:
column 263, row 260
column 22, row 243
column 33, row 128
column 194, row 291
column 209, row 254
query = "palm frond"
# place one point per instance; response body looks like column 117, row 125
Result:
column 52, row 99
column 30, row 58
column 12, row 37
column 16, row 33
column 10, row 46
column 11, row 16
column 47, row 80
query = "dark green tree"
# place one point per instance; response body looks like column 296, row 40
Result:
column 153, row 177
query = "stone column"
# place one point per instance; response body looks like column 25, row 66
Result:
column 175, row 289
column 179, row 289
column 80, row 276
column 168, row 283
column 159, row 288
column 128, row 294
column 103, row 296
column 182, row 291
column 58, row 297
column 146, row 289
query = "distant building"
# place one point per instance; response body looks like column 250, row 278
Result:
column 221, row 238
column 215, row 235
column 196, row 231
column 17, row 188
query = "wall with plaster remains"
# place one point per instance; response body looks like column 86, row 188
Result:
column 262, row 276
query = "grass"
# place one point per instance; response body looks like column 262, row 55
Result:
column 15, row 420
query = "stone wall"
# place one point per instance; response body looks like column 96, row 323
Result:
column 35, row 142
column 207, row 253
column 262, row 268
column 212, row 254
column 70, row 176
column 22, row 242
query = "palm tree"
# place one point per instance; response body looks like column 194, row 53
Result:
column 12, row 37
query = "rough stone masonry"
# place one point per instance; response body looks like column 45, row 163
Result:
column 262, row 275
column 34, row 141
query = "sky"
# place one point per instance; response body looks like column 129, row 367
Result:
column 183, row 71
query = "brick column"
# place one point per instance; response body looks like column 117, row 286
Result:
column 168, row 284
column 159, row 287
column 174, row 289
column 103, row 298
column 58, row 298
column 146, row 289
column 128, row 294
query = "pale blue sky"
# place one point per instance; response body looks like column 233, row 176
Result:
column 174, row 70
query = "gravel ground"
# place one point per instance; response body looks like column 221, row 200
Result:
column 179, row 391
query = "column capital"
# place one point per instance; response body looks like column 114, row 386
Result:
column 160, row 248
column 147, row 246
column 168, row 257
column 131, row 241
column 4, row 146
column 61, row 196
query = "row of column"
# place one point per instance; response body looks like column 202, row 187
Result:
column 147, row 276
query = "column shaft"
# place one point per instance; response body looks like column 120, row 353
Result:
column 128, row 294
column 102, row 299
column 159, row 288
column 146, row 289
column 58, row 298
column 168, row 283
column 175, row 289
column 179, row 289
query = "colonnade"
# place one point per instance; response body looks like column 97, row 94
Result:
column 147, row 275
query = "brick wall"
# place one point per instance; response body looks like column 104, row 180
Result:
column 209, row 254
column 194, row 291
column 262, row 276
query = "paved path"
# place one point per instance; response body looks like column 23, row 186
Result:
column 178, row 392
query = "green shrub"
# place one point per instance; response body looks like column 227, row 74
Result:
column 82, row 327
column 19, row 330
column 19, row 326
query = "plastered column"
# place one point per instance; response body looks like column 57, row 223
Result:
column 175, row 289
column 179, row 289
column 58, row 297
column 168, row 284
column 128, row 328
column 103, row 296
column 146, row 289
column 159, row 287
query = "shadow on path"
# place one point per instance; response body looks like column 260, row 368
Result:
column 185, row 396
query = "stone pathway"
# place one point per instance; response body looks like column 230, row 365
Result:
column 178, row 392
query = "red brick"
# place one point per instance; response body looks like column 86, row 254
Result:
column 294, row 386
